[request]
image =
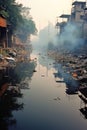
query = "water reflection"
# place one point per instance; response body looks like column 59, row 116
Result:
column 44, row 103
column 84, row 112
column 8, row 104
column 83, row 104
column 45, row 61
column 12, row 81
column 22, row 71
column 71, row 84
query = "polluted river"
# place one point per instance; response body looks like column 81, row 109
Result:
column 44, row 104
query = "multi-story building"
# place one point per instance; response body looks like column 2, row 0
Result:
column 77, row 11
column 78, row 17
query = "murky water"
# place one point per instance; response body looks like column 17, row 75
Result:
column 46, row 106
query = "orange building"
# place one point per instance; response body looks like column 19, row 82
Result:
column 3, row 22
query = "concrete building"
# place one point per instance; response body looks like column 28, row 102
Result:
column 77, row 17
column 77, row 11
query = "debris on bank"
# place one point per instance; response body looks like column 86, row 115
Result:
column 15, row 66
column 74, row 64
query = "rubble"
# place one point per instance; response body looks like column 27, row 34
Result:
column 73, row 62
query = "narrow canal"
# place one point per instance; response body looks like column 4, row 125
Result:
column 46, row 105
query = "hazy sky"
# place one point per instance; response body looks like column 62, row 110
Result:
column 43, row 11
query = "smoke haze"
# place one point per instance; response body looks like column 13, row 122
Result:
column 70, row 37
column 45, row 35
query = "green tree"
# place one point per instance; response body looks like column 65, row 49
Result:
column 12, row 12
column 18, row 19
column 26, row 29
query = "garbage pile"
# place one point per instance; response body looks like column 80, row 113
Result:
column 73, row 62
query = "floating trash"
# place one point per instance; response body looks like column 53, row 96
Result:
column 42, row 75
column 57, row 98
